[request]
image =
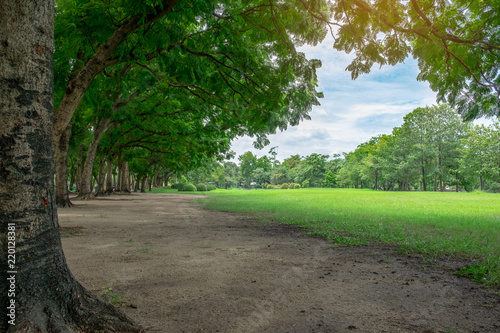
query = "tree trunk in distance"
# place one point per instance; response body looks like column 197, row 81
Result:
column 156, row 181
column 119, row 179
column 79, row 168
column 137, row 183
column 125, row 178
column 102, row 178
column 86, row 175
column 424, row 182
column 62, row 193
column 47, row 297
column 143, row 184
column 72, row 175
column 109, row 177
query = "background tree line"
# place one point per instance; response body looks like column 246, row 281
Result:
column 434, row 150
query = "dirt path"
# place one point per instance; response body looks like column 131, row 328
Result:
column 180, row 268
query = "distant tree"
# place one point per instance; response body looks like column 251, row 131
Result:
column 481, row 156
column 260, row 176
column 314, row 169
column 456, row 43
column 330, row 180
column 247, row 166
column 231, row 170
column 436, row 132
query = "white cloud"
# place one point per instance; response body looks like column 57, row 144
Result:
column 352, row 111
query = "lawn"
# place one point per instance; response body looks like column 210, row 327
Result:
column 433, row 224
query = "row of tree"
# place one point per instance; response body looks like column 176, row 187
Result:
column 149, row 90
column 254, row 172
column 433, row 150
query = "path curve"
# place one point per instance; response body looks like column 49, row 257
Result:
column 180, row 268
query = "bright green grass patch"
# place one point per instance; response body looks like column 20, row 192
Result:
column 463, row 225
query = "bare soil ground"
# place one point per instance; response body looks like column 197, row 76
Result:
column 175, row 267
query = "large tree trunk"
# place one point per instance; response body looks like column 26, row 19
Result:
column 86, row 177
column 62, row 193
column 47, row 297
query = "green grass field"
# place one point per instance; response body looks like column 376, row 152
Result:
column 460, row 225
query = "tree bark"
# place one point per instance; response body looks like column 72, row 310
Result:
column 47, row 297
column 62, row 193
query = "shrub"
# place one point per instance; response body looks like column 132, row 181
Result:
column 178, row 186
column 201, row 187
column 297, row 186
column 291, row 186
column 257, row 186
column 188, row 187
column 211, row 187
column 270, row 187
column 284, row 186
column 305, row 184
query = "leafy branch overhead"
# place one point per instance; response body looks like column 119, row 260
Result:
column 238, row 57
column 457, row 44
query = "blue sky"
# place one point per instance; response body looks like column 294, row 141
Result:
column 352, row 111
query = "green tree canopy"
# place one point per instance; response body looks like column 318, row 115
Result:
column 456, row 42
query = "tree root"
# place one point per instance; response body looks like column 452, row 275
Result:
column 87, row 314
column 85, row 196
column 64, row 202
